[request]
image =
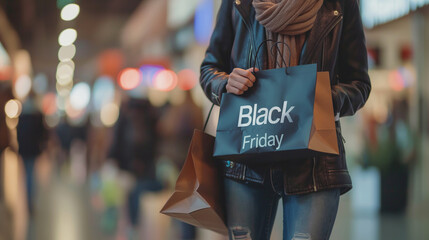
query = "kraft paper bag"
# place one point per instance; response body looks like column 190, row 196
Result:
column 198, row 195
column 287, row 114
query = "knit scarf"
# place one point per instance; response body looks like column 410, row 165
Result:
column 286, row 21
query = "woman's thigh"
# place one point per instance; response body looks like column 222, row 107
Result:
column 310, row 216
column 250, row 210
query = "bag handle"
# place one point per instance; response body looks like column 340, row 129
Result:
column 278, row 49
column 208, row 117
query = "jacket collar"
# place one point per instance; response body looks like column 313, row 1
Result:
column 244, row 7
column 327, row 17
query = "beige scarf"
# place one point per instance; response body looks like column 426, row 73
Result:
column 286, row 21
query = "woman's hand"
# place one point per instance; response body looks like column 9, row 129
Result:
column 240, row 80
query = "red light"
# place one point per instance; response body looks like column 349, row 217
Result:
column 49, row 104
column 165, row 80
column 110, row 62
column 129, row 78
column 396, row 81
column 187, row 79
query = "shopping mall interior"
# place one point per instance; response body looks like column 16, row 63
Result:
column 99, row 101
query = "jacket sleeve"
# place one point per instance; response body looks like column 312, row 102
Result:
column 354, row 85
column 215, row 67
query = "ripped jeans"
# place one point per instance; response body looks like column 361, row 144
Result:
column 251, row 210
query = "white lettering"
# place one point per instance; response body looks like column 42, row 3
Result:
column 279, row 141
column 271, row 141
column 286, row 113
column 241, row 116
column 270, row 115
column 265, row 140
column 263, row 116
column 251, row 115
column 245, row 140
column 254, row 114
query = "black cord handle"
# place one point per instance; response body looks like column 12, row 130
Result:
column 208, row 117
column 272, row 52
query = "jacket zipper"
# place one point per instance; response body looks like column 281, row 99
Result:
column 252, row 39
column 314, row 177
column 328, row 30
column 249, row 61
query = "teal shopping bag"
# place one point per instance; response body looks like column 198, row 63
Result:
column 287, row 114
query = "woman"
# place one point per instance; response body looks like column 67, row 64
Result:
column 328, row 33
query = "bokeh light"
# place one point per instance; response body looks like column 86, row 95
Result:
column 66, row 52
column 187, row 79
column 203, row 21
column 61, row 102
column 52, row 120
column 5, row 64
column 109, row 114
column 64, row 90
column 177, row 97
column 103, row 92
column 22, row 63
column 72, row 112
column 396, row 81
column 40, row 83
column 49, row 105
column 67, row 37
column 65, row 71
column 129, row 78
column 165, row 80
column 70, row 12
column 157, row 98
column 10, row 172
column 22, row 86
column 110, row 62
column 80, row 96
column 13, row 108
column 12, row 123
column 149, row 72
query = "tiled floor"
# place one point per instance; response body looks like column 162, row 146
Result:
column 65, row 212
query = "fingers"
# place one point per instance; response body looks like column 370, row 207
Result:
column 245, row 73
column 233, row 90
column 241, row 84
column 240, row 80
column 251, row 69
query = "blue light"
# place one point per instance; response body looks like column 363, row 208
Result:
column 103, row 92
column 148, row 73
column 203, row 22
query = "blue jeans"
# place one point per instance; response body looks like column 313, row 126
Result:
column 251, row 210
column 29, row 163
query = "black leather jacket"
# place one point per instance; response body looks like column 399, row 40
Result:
column 336, row 43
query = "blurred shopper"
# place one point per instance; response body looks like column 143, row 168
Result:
column 392, row 153
column 134, row 147
column 32, row 136
column 177, row 127
column 328, row 33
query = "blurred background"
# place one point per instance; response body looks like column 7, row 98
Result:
column 99, row 99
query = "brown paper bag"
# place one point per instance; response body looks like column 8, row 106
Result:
column 198, row 198
column 323, row 135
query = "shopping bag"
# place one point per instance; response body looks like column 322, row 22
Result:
column 287, row 114
column 198, row 198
